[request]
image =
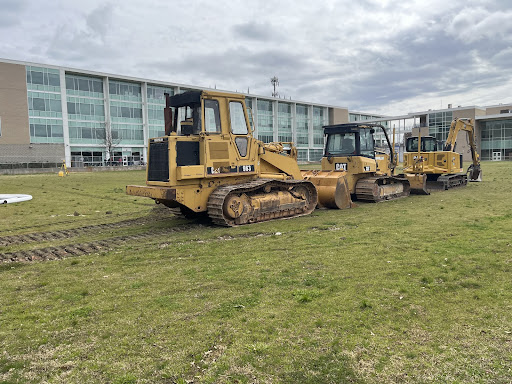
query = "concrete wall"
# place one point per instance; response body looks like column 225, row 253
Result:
column 13, row 104
column 31, row 153
column 30, row 171
column 424, row 131
column 496, row 110
column 338, row 116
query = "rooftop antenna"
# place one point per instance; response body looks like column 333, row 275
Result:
column 275, row 82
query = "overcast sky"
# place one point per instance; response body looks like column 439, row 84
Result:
column 389, row 57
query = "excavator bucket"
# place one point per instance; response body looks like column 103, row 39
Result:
column 418, row 182
column 475, row 173
column 332, row 188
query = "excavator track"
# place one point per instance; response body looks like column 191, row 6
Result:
column 261, row 200
column 382, row 188
column 445, row 182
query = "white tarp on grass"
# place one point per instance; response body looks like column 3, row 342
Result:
column 6, row 199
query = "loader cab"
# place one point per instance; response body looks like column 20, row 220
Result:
column 428, row 144
column 351, row 140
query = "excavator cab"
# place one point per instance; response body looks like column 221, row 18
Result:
column 428, row 144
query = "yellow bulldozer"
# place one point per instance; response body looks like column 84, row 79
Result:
column 209, row 163
column 431, row 165
column 352, row 168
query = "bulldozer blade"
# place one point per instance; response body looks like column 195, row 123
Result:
column 332, row 187
column 418, row 183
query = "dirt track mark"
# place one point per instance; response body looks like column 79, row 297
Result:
column 67, row 233
column 79, row 249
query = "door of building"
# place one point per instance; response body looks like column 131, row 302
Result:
column 496, row 156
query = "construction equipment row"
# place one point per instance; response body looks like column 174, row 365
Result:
column 209, row 164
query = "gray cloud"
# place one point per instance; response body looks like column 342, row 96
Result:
column 255, row 31
column 380, row 56
column 11, row 11
column 100, row 19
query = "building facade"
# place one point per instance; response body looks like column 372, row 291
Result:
column 50, row 114
column 493, row 128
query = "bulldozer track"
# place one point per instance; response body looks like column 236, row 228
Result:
column 79, row 249
column 450, row 181
column 218, row 197
column 367, row 189
column 67, row 233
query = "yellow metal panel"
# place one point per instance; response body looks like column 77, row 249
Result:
column 190, row 172
column 218, row 150
column 160, row 193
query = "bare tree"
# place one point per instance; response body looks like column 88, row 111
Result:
column 110, row 144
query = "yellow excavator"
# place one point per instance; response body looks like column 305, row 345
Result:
column 431, row 165
column 209, row 163
column 352, row 168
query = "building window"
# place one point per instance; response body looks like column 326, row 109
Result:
column 284, row 122
column 302, row 155
column 156, row 94
column 85, row 132
column 496, row 139
column 302, row 126
column 46, row 131
column 84, row 86
column 86, row 109
column 44, row 104
column 315, row 154
column 265, row 121
column 123, row 111
column 45, row 78
column 124, row 91
column 439, row 124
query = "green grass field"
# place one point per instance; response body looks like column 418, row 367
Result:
column 417, row 290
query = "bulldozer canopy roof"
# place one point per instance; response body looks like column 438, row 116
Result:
column 351, row 127
column 186, row 99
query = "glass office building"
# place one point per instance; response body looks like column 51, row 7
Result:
column 102, row 119
column 496, row 139
column 50, row 113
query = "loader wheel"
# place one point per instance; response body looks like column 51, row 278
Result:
column 234, row 206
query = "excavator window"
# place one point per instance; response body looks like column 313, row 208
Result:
column 428, row 144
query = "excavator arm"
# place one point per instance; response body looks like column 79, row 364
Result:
column 475, row 173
